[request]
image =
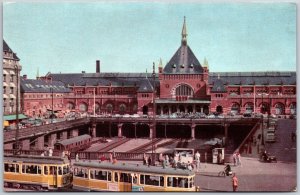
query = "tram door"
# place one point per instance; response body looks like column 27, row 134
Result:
column 53, row 176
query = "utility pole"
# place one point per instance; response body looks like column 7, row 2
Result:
column 154, row 115
column 16, row 151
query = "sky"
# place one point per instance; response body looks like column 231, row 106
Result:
column 130, row 36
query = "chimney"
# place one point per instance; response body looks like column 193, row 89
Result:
column 97, row 66
column 25, row 76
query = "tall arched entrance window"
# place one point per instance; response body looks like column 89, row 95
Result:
column 184, row 90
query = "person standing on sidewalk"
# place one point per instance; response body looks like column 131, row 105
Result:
column 234, row 182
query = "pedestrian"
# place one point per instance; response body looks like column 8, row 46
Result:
column 63, row 154
column 102, row 158
column 160, row 158
column 149, row 161
column 50, row 151
column 77, row 157
column 238, row 158
column 145, row 159
column 197, row 159
column 234, row 182
column 234, row 158
column 110, row 157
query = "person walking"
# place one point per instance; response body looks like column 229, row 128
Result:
column 149, row 161
column 110, row 157
column 234, row 158
column 238, row 158
column 234, row 182
column 197, row 159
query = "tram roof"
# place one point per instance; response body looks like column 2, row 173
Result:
column 35, row 159
column 136, row 168
column 74, row 140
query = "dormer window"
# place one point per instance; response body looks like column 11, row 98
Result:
column 182, row 66
column 192, row 66
column 174, row 65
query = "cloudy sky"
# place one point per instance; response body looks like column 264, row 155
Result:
column 129, row 37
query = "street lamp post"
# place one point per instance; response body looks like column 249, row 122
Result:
column 154, row 114
column 17, row 148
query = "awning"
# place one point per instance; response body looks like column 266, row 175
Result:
column 12, row 72
column 12, row 96
column 5, row 96
column 12, row 85
column 13, row 117
column 5, row 72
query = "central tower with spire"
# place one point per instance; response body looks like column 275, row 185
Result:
column 183, row 81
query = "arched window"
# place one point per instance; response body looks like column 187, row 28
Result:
column 235, row 108
column 97, row 107
column 109, row 108
column 122, row 108
column 184, row 90
column 70, row 106
column 279, row 109
column 293, row 108
column 249, row 107
column 83, row 107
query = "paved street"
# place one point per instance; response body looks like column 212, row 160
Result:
column 255, row 175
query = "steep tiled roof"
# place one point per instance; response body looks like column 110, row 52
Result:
column 7, row 48
column 40, row 86
column 251, row 78
column 183, row 62
column 145, row 86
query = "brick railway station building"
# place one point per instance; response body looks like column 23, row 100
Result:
column 182, row 85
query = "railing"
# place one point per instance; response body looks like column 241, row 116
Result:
column 43, row 129
column 89, row 155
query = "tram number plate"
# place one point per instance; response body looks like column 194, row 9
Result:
column 113, row 187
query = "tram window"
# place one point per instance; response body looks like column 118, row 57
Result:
column 59, row 171
column 134, row 178
column 183, row 183
column 23, row 169
column 65, row 170
column 53, row 170
column 45, row 170
column 152, row 180
column 125, row 177
column 142, row 179
column 9, row 167
column 116, row 177
column 81, row 173
column 39, row 170
column 162, row 181
column 17, row 168
column 92, row 173
column 109, row 176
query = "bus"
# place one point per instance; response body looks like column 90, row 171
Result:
column 106, row 176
